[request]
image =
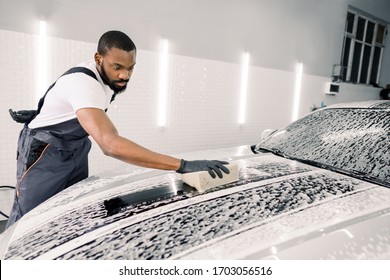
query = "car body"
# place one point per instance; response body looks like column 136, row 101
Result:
column 316, row 189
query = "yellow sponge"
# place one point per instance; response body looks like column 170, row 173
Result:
column 202, row 180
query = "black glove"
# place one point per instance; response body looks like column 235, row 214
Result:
column 204, row 165
column 23, row 116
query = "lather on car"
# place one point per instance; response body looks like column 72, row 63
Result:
column 315, row 189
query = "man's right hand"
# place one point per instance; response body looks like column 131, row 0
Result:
column 23, row 116
column 211, row 166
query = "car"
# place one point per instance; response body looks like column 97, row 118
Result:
column 318, row 188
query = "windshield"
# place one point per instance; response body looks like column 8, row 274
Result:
column 353, row 140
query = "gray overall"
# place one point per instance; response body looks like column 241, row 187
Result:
column 49, row 159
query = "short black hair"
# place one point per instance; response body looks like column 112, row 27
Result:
column 115, row 39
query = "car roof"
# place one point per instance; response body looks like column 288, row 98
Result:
column 373, row 104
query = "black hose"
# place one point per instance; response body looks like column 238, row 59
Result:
column 1, row 213
column 7, row 187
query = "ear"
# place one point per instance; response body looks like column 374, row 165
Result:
column 98, row 58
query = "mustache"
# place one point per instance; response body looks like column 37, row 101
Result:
column 121, row 81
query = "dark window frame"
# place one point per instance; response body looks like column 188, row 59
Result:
column 362, row 53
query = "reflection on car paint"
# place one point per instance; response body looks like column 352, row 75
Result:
column 373, row 242
column 358, row 238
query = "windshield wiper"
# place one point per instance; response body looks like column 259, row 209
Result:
column 362, row 176
column 353, row 173
column 276, row 152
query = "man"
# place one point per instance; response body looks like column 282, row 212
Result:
column 53, row 146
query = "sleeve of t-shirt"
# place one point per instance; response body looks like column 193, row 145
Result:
column 83, row 91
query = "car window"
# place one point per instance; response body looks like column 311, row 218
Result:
column 354, row 140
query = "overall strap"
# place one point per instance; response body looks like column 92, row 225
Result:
column 72, row 70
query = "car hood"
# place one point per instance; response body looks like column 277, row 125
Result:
column 279, row 208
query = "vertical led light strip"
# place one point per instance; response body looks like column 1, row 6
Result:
column 297, row 90
column 244, row 87
column 42, row 61
column 163, row 85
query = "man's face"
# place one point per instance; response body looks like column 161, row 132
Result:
column 116, row 67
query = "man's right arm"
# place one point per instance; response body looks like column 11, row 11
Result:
column 97, row 124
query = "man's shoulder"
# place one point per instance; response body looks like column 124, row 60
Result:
column 85, row 72
column 90, row 65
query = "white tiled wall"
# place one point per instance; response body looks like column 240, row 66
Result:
column 64, row 54
column 203, row 99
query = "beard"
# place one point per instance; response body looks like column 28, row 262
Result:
column 112, row 83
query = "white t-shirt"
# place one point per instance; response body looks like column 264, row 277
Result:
column 71, row 93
